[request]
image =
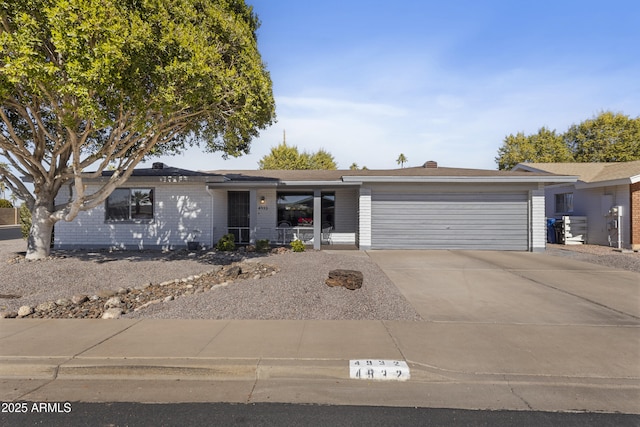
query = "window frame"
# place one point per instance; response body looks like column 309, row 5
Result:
column 131, row 207
column 328, row 200
column 563, row 203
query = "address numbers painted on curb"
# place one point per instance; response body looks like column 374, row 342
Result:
column 373, row 369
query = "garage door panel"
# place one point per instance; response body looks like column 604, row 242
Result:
column 450, row 221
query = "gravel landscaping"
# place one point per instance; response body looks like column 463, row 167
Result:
column 188, row 285
column 296, row 291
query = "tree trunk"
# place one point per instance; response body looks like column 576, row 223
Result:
column 39, row 241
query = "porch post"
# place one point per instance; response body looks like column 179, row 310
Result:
column 253, row 216
column 317, row 219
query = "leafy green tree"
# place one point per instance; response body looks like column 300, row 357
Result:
column 401, row 160
column 544, row 146
column 288, row 157
column 88, row 84
column 322, row 159
column 354, row 167
column 609, row 137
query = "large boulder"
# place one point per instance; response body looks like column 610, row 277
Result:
column 350, row 279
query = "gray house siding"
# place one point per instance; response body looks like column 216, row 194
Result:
column 346, row 220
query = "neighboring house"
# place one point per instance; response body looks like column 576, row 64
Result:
column 424, row 207
column 608, row 194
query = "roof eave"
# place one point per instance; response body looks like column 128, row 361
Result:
column 608, row 183
column 551, row 179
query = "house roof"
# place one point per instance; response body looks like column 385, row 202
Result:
column 160, row 169
column 390, row 175
column 590, row 174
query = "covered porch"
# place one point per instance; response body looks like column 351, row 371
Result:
column 318, row 216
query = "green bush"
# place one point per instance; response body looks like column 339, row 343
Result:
column 297, row 246
column 4, row 203
column 25, row 220
column 262, row 245
column 226, row 243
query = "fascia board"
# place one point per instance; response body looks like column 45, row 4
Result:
column 243, row 184
column 464, row 179
column 610, row 183
column 319, row 183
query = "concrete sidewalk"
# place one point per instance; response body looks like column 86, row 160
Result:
column 564, row 348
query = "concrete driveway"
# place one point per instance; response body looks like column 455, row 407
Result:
column 563, row 334
column 512, row 287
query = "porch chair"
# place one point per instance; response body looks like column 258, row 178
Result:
column 326, row 234
column 284, row 232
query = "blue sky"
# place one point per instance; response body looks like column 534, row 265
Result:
column 436, row 80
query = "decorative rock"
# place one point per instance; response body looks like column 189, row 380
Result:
column 169, row 298
column 231, row 273
column 350, row 279
column 8, row 314
column 147, row 304
column 63, row 302
column 79, row 299
column 112, row 313
column 113, row 302
column 106, row 293
column 46, row 306
column 25, row 310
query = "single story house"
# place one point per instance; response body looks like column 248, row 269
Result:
column 607, row 194
column 427, row 207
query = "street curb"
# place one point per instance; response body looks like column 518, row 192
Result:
column 259, row 369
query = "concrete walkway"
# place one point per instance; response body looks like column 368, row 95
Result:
column 501, row 331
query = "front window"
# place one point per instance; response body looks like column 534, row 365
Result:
column 129, row 204
column 564, row 203
column 296, row 209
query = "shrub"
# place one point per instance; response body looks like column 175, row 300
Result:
column 226, row 243
column 297, row 246
column 4, row 203
column 25, row 220
column 262, row 245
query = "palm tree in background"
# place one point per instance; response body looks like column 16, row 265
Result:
column 402, row 159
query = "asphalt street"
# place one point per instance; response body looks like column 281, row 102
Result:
column 271, row 414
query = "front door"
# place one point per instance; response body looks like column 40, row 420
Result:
column 238, row 215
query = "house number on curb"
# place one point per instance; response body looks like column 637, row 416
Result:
column 373, row 369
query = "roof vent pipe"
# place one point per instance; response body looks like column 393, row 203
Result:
column 430, row 165
column 157, row 165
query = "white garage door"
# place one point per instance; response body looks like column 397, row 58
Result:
column 450, row 221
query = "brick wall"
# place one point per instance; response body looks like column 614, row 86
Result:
column 635, row 215
column 179, row 209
